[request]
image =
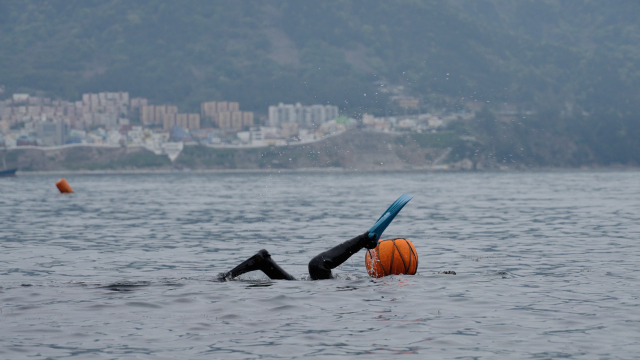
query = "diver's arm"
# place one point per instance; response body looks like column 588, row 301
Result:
column 260, row 261
column 321, row 265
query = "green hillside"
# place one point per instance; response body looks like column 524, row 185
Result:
column 545, row 55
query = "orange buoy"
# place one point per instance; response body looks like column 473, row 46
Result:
column 392, row 257
column 64, row 186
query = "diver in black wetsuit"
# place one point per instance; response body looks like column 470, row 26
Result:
column 319, row 267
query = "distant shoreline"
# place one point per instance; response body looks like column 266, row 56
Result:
column 353, row 151
column 319, row 170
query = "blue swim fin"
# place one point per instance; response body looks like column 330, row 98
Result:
column 387, row 217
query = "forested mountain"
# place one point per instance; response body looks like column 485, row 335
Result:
column 546, row 55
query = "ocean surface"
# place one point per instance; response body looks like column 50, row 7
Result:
column 548, row 266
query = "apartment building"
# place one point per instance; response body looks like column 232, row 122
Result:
column 306, row 116
column 155, row 114
column 185, row 121
column 227, row 115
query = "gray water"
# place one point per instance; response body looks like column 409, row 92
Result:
column 547, row 267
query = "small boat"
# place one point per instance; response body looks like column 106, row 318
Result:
column 8, row 172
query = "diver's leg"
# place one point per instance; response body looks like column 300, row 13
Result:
column 260, row 261
column 321, row 265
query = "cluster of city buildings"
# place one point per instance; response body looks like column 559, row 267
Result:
column 103, row 109
column 115, row 119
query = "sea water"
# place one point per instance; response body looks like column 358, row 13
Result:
column 547, row 266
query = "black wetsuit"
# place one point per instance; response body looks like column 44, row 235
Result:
column 319, row 267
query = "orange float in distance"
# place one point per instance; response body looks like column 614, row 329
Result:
column 392, row 257
column 64, row 186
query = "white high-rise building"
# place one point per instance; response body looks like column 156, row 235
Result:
column 306, row 116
